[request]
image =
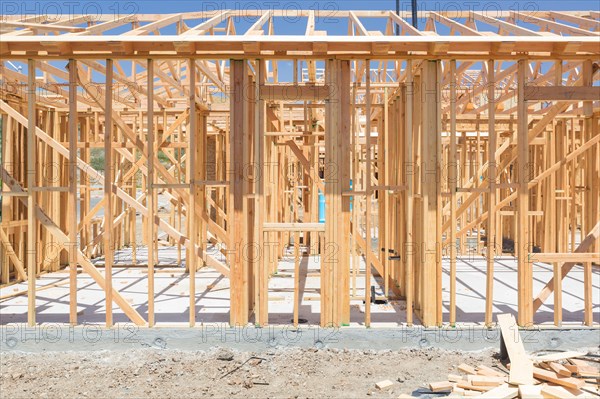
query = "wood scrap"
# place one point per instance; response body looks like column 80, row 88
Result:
column 465, row 368
column 501, row 392
column 521, row 371
column 485, row 370
column 530, row 392
column 583, row 369
column 556, row 392
column 559, row 369
column 484, row 380
column 441, row 386
column 555, row 378
column 471, row 387
column 554, row 357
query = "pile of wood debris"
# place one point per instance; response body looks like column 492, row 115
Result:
column 559, row 375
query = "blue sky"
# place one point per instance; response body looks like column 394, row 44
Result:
column 291, row 27
column 169, row 6
column 331, row 25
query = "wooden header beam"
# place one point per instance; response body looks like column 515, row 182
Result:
column 562, row 93
column 15, row 47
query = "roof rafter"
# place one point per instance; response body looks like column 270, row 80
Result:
column 161, row 23
column 206, row 25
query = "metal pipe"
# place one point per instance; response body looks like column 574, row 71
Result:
column 398, row 14
column 415, row 22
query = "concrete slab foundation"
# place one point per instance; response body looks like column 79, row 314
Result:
column 213, row 293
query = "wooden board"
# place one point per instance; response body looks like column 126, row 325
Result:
column 521, row 366
column 484, row 380
column 559, row 369
column 501, row 392
column 556, row 392
column 550, row 376
column 561, row 93
column 440, row 386
column 530, row 392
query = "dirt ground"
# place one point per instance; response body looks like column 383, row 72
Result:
column 222, row 373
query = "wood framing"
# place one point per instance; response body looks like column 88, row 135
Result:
column 386, row 157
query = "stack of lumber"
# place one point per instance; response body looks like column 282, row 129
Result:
column 560, row 375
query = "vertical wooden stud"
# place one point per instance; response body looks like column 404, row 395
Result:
column 491, row 222
column 525, row 280
column 409, row 181
column 368, row 190
column 237, row 224
column 31, row 195
column 453, row 175
column 588, row 316
column 191, row 170
column 557, row 294
column 429, row 262
column 151, row 198
column 72, row 219
column 108, row 199
column 296, row 277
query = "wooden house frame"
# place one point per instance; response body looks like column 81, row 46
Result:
column 478, row 127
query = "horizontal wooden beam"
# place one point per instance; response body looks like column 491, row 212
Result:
column 562, row 93
column 565, row 257
column 42, row 27
column 294, row 93
column 294, row 227
column 282, row 12
column 221, row 46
